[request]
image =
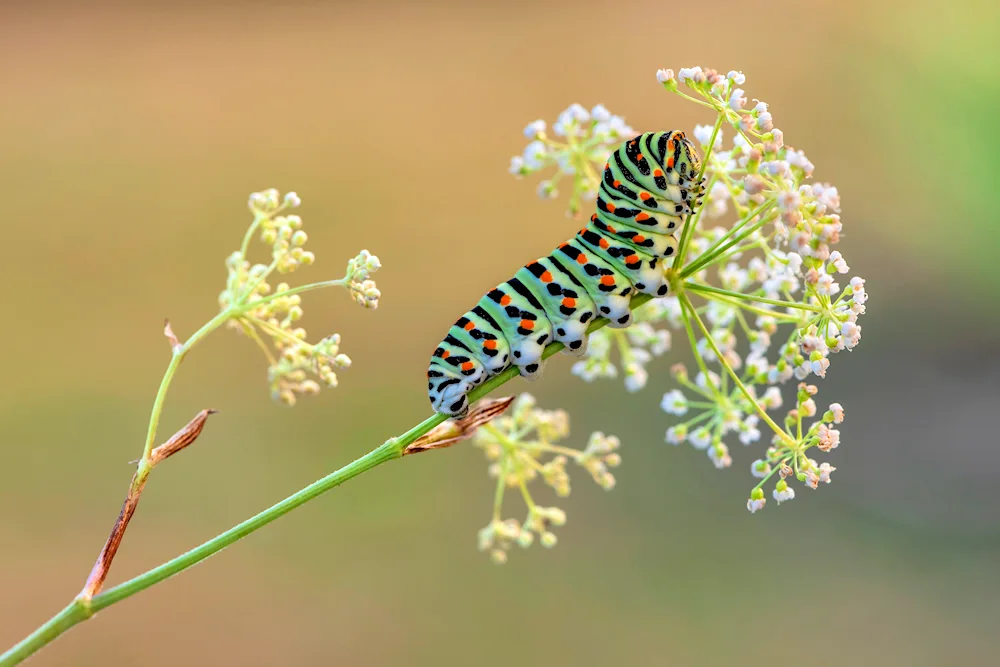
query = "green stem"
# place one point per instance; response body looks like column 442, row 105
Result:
column 168, row 376
column 686, row 305
column 256, row 303
column 688, row 230
column 698, row 287
column 392, row 449
column 718, row 248
column 52, row 628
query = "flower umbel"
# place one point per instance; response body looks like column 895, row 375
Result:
column 296, row 366
column 521, row 447
column 761, row 299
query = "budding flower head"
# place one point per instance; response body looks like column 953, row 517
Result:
column 521, row 448
column 265, row 312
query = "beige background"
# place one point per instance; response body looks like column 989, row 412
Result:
column 129, row 140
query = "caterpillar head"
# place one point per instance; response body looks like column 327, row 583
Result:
column 686, row 167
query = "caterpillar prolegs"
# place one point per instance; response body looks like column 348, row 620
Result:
column 649, row 187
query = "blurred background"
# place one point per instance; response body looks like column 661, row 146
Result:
column 129, row 141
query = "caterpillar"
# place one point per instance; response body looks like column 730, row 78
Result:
column 649, row 186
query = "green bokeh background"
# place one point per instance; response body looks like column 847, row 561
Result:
column 129, row 140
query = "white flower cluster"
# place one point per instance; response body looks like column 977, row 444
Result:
column 580, row 139
column 359, row 282
column 296, row 367
column 635, row 347
column 521, row 447
column 763, row 297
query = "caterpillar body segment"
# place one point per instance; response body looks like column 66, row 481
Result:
column 649, row 188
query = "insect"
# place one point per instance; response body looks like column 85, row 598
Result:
column 649, row 187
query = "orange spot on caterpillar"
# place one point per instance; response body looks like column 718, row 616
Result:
column 638, row 238
column 569, row 303
column 642, row 216
column 611, row 207
column 670, row 145
column 616, row 183
column 546, row 277
column 467, row 366
column 469, row 326
column 581, row 259
column 644, row 195
column 490, row 345
column 639, row 157
column 604, row 243
column 528, row 324
column 657, row 172
column 611, row 229
column 607, row 280
column 505, row 300
column 446, row 354
column 670, row 162
column 607, row 165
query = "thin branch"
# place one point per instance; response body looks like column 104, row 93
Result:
column 81, row 609
column 176, row 443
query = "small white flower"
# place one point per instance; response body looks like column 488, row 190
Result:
column 533, row 154
column 690, row 75
column 737, row 99
column 783, row 492
column 837, row 260
column 664, row 75
column 749, row 433
column 546, row 190
column 534, row 128
column 764, row 121
column 760, row 468
column 754, row 505
column 703, row 133
column 635, row 377
column 851, row 333
column 736, row 77
column 838, row 412
column 676, row 434
column 825, row 470
column 829, row 438
column 808, row 408
column 600, row 114
column 720, row 456
column 700, row 438
column 674, row 403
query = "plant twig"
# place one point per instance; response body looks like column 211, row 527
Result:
column 176, row 443
column 81, row 610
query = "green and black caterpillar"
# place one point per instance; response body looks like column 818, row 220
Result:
column 650, row 185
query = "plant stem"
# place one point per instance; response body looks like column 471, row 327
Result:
column 168, row 376
column 686, row 305
column 80, row 610
column 717, row 248
column 698, row 287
